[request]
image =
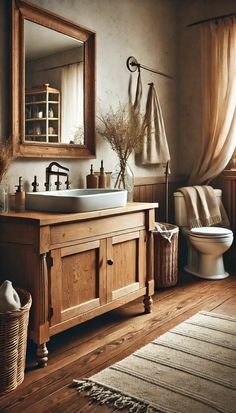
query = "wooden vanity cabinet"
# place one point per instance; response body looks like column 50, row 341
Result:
column 77, row 266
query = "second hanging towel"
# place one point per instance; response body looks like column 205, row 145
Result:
column 155, row 147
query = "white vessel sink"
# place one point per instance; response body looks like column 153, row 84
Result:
column 76, row 200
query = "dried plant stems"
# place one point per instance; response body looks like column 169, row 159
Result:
column 120, row 178
column 124, row 129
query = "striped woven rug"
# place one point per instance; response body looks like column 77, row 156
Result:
column 189, row 369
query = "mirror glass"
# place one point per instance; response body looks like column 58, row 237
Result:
column 54, row 87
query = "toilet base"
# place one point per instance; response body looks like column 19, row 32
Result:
column 206, row 277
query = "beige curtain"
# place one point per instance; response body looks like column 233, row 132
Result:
column 218, row 43
column 72, row 104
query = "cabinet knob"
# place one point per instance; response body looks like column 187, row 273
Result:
column 110, row 262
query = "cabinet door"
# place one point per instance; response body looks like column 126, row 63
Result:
column 78, row 280
column 126, row 264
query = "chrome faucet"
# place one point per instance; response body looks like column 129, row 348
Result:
column 50, row 171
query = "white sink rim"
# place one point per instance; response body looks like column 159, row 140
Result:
column 76, row 200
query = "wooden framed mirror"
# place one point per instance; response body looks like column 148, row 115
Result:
column 53, row 85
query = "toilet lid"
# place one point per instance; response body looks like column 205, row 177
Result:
column 211, row 231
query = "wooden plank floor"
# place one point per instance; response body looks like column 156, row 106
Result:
column 94, row 345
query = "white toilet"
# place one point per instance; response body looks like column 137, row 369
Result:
column 206, row 245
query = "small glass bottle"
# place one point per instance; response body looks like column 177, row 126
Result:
column 4, row 196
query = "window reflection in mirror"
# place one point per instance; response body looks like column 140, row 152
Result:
column 54, row 80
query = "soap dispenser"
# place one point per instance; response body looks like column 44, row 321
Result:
column 92, row 179
column 102, row 177
column 19, row 197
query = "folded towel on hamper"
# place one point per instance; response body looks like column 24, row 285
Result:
column 9, row 299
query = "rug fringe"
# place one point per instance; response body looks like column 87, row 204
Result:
column 104, row 395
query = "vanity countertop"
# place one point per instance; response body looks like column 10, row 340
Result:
column 50, row 218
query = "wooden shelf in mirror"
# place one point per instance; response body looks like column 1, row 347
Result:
column 39, row 102
column 25, row 14
column 38, row 117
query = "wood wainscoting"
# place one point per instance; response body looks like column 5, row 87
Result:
column 227, row 182
column 152, row 189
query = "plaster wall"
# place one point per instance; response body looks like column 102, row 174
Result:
column 146, row 30
column 189, row 75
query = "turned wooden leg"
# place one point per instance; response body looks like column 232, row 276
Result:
column 42, row 355
column 147, row 301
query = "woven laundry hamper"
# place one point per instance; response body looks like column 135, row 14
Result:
column 166, row 256
column 13, row 341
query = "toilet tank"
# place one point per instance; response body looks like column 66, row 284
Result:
column 180, row 207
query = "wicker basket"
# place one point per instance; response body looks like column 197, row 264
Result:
column 13, row 341
column 166, row 258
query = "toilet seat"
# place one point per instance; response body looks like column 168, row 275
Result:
column 211, row 233
column 211, row 240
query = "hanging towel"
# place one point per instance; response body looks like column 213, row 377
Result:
column 138, row 94
column 203, row 207
column 155, row 147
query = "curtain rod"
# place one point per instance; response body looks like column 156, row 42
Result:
column 132, row 65
column 59, row 66
column 211, row 18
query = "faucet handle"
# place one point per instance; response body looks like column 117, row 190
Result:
column 67, row 183
column 35, row 184
column 47, row 186
column 57, row 183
